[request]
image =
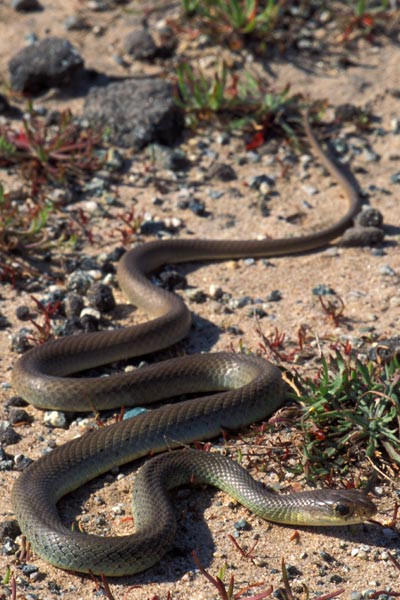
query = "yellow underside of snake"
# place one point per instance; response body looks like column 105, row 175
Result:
column 243, row 389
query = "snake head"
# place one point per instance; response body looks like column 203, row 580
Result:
column 336, row 507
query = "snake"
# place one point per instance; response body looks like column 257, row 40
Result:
column 241, row 389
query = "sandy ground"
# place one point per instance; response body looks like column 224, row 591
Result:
column 352, row 559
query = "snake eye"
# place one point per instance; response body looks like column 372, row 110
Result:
column 343, row 510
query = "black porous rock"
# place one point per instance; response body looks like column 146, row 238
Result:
column 136, row 112
column 49, row 63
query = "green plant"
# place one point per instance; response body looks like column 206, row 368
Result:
column 22, row 229
column 59, row 152
column 190, row 6
column 240, row 16
column 236, row 102
column 201, row 95
column 366, row 18
column 352, row 408
column 361, row 7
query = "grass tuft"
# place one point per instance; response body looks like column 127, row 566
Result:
column 235, row 102
column 350, row 410
column 60, row 152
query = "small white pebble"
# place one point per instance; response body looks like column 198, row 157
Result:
column 118, row 509
column 265, row 187
column 173, row 222
column 90, row 206
column 55, row 418
column 305, row 159
column 395, row 125
column 310, row 190
column 108, row 279
column 95, row 274
column 90, row 312
column 215, row 291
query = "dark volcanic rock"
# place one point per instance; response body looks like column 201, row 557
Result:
column 49, row 63
column 136, row 112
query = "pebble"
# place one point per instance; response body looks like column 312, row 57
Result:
column 196, row 295
column 89, row 322
column 118, row 509
column 9, row 547
column 197, row 207
column 172, row 280
column 8, row 435
column 21, row 462
column 223, row 138
column 9, row 529
column 249, row 262
column 168, row 158
column 173, row 223
column 48, row 63
column 25, row 5
column 274, row 296
column 20, row 341
column 56, row 419
column 90, row 313
column 101, row 297
column 73, row 305
column 255, row 182
column 361, row 236
column 369, row 217
column 305, row 160
column 79, row 281
column 323, row 290
column 340, row 146
column 116, row 254
column 395, row 125
column 242, row 302
column 222, row 172
column 216, row 194
column 75, row 23
column 133, row 412
column 253, row 157
column 28, row 569
column 326, row 556
column 22, row 312
column 215, row 292
column 387, row 271
column 331, row 252
column 395, row 178
column 140, row 45
column 370, row 156
column 378, row 252
column 310, row 190
column 264, row 188
column 242, row 525
column 18, row 415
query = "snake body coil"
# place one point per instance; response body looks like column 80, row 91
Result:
column 247, row 389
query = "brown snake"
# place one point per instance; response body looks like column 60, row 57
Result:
column 248, row 389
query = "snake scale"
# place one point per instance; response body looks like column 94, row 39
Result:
column 244, row 389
